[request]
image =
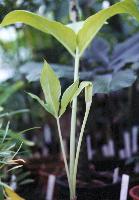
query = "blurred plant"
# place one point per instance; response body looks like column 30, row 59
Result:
column 6, row 92
column 8, row 150
column 103, row 57
column 7, row 155
column 7, row 5
column 110, row 71
column 75, row 38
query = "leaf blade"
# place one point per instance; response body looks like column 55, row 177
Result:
column 82, row 86
column 33, row 96
column 68, row 96
column 63, row 34
column 94, row 23
column 107, row 83
column 122, row 79
column 6, row 131
column 51, row 88
column 41, row 102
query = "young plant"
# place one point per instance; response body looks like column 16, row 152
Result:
column 75, row 38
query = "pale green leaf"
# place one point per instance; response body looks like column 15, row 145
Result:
column 89, row 93
column 82, row 86
column 51, row 88
column 63, row 34
column 94, row 23
column 68, row 96
column 6, row 131
column 41, row 102
column 76, row 26
column 33, row 96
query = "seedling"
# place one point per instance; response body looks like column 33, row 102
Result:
column 75, row 38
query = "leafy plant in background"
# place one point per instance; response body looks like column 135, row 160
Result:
column 11, row 141
column 10, row 145
column 75, row 38
column 7, row 91
column 109, row 71
column 112, row 72
column 7, row 154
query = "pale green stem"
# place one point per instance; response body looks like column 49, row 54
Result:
column 63, row 151
column 73, row 120
column 79, row 146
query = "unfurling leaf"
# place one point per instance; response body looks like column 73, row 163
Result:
column 68, row 96
column 63, row 34
column 51, row 88
column 82, row 86
column 94, row 23
column 88, row 87
column 88, row 93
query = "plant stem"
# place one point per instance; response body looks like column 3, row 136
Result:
column 88, row 105
column 63, row 151
column 73, row 120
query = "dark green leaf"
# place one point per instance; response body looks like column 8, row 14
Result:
column 114, row 82
column 122, row 79
column 101, row 84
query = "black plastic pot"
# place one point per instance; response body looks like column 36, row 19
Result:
column 31, row 191
column 108, row 192
column 112, row 163
column 93, row 192
column 39, row 169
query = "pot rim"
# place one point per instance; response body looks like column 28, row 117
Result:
column 65, row 184
column 131, row 192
